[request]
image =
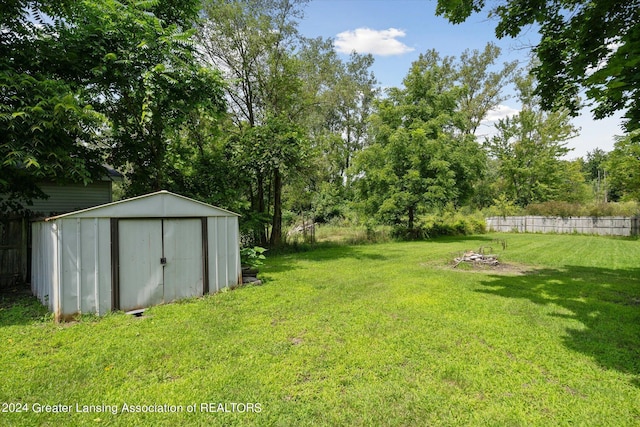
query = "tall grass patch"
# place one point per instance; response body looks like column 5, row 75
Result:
column 442, row 224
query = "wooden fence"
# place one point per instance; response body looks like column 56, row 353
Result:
column 608, row 225
column 14, row 251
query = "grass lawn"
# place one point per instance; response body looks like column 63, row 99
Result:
column 372, row 335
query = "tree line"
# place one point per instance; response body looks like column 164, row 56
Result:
column 226, row 102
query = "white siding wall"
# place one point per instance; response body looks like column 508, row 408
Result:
column 81, row 259
column 224, row 253
column 72, row 197
column 233, row 246
column 44, row 268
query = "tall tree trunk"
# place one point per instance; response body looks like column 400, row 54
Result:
column 276, row 229
column 411, row 219
column 261, row 236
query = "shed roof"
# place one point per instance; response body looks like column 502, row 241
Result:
column 162, row 204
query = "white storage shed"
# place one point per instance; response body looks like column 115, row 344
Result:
column 134, row 253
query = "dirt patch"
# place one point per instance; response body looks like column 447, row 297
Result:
column 296, row 341
column 502, row 268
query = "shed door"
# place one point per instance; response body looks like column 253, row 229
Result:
column 183, row 272
column 160, row 260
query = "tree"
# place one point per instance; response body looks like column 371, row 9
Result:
column 278, row 149
column 343, row 95
column 93, row 80
column 340, row 96
column 482, row 89
column 48, row 128
column 146, row 80
column 593, row 45
column 417, row 161
column 200, row 162
column 573, row 187
column 594, row 169
column 250, row 40
column 254, row 43
column 623, row 166
column 594, row 164
column 529, row 148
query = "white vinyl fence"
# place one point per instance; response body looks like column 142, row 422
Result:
column 608, row 225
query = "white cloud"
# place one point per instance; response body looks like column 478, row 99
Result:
column 487, row 125
column 500, row 112
column 377, row 42
column 613, row 47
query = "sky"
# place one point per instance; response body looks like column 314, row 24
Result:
column 396, row 32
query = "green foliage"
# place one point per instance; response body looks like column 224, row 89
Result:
column 442, row 224
column 416, row 162
column 95, row 81
column 573, row 187
column 49, row 129
column 342, row 233
column 529, row 147
column 555, row 208
column 200, row 163
column 629, row 208
column 583, row 44
column 277, row 149
column 502, row 206
column 595, row 209
column 152, row 86
column 481, row 88
column 252, row 256
column 623, row 166
column 594, row 168
column 298, row 112
column 594, row 164
column 253, row 42
column 337, row 129
column 343, row 93
column 328, row 203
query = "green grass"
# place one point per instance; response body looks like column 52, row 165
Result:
column 385, row 334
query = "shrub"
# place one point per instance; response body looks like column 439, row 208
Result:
column 252, row 257
column 447, row 224
column 502, row 206
column 614, row 209
column 555, row 208
column 566, row 209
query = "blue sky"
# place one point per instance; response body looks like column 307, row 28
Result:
column 397, row 31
